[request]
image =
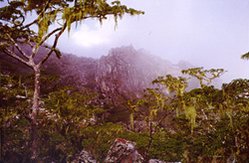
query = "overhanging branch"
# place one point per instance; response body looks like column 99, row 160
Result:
column 57, row 36
column 49, row 34
column 40, row 14
column 36, row 48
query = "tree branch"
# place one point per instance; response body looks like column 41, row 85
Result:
column 13, row 55
column 18, row 47
column 40, row 14
column 49, row 34
column 57, row 36
column 28, row 25
column 36, row 48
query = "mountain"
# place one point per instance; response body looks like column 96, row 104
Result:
column 121, row 75
column 128, row 71
column 125, row 71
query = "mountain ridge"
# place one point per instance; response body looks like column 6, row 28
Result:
column 124, row 70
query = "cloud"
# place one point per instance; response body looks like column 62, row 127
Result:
column 89, row 36
column 205, row 33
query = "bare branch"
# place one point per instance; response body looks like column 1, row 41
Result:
column 49, row 34
column 57, row 36
column 36, row 48
column 18, row 47
column 15, row 56
column 28, row 25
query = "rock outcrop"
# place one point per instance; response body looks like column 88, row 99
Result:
column 83, row 157
column 155, row 161
column 123, row 151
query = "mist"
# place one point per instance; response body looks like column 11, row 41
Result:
column 209, row 34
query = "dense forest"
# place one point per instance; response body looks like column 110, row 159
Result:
column 60, row 110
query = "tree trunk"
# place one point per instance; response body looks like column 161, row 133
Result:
column 34, row 114
column 150, row 135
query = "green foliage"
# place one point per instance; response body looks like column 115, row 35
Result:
column 177, row 86
column 166, row 147
column 204, row 76
column 190, row 113
column 212, row 126
column 206, row 129
column 99, row 9
column 68, row 103
column 64, row 13
column 99, row 138
column 14, row 103
column 245, row 56
column 172, row 84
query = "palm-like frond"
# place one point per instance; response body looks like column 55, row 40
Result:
column 245, row 56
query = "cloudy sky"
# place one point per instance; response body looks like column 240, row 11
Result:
column 209, row 33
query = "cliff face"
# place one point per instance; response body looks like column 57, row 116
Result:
column 125, row 71
column 129, row 71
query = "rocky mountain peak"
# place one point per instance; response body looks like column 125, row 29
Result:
column 124, row 70
column 130, row 70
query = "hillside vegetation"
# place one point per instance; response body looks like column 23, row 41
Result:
column 87, row 103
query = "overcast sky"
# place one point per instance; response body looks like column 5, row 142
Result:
column 209, row 33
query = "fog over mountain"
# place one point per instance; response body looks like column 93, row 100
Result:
column 124, row 70
column 212, row 34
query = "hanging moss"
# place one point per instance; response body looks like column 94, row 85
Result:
column 190, row 113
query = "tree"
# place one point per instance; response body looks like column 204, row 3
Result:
column 205, row 77
column 20, row 27
column 235, row 106
column 174, row 85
